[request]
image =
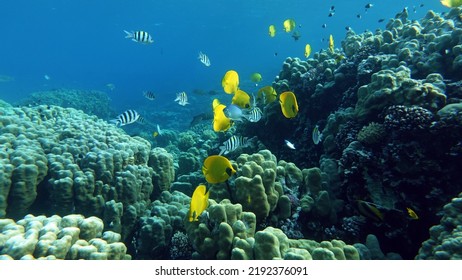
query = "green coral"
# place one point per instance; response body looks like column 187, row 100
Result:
column 372, row 133
column 445, row 238
column 396, row 87
column 256, row 187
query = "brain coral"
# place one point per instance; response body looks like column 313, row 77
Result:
column 56, row 160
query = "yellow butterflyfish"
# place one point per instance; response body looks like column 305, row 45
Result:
column 256, row 77
column 199, row 202
column 220, row 121
column 369, row 210
column 412, row 213
column 241, row 99
column 331, row 43
column 272, row 30
column 217, row 169
column 230, row 82
column 451, row 3
column 289, row 25
column 307, row 50
column 266, row 95
column 289, row 104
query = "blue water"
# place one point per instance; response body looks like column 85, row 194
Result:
column 81, row 44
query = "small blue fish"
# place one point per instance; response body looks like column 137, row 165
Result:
column 233, row 112
column 289, row 144
column 316, row 135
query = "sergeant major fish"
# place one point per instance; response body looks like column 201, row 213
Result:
column 149, row 95
column 139, row 36
column 204, row 59
column 232, row 144
column 182, row 98
column 254, row 114
column 127, row 117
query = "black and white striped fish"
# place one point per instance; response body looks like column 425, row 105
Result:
column 149, row 95
column 204, row 59
column 182, row 98
column 139, row 36
column 254, row 114
column 232, row 144
column 127, row 117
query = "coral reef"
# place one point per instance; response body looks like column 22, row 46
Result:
column 444, row 242
column 62, row 161
column 92, row 102
column 71, row 237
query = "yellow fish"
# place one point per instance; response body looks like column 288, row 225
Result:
column 241, row 99
column 289, row 104
column 230, row 82
column 307, row 50
column 217, row 169
column 266, row 95
column 412, row 213
column 272, row 30
column 451, row 3
column 220, row 121
column 256, row 77
column 369, row 210
column 155, row 134
column 331, row 43
column 289, row 25
column 199, row 202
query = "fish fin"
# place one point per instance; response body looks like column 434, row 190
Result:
column 115, row 121
column 222, row 150
column 134, row 40
column 128, row 34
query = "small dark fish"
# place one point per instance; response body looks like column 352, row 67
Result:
column 275, row 54
column 324, row 25
column 347, row 28
column 149, row 95
column 358, row 16
column 368, row 6
column 331, row 14
column 421, row 5
column 332, row 8
column 199, row 118
column 381, row 20
column 296, row 35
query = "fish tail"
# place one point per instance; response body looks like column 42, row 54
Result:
column 222, row 150
column 115, row 121
column 129, row 34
